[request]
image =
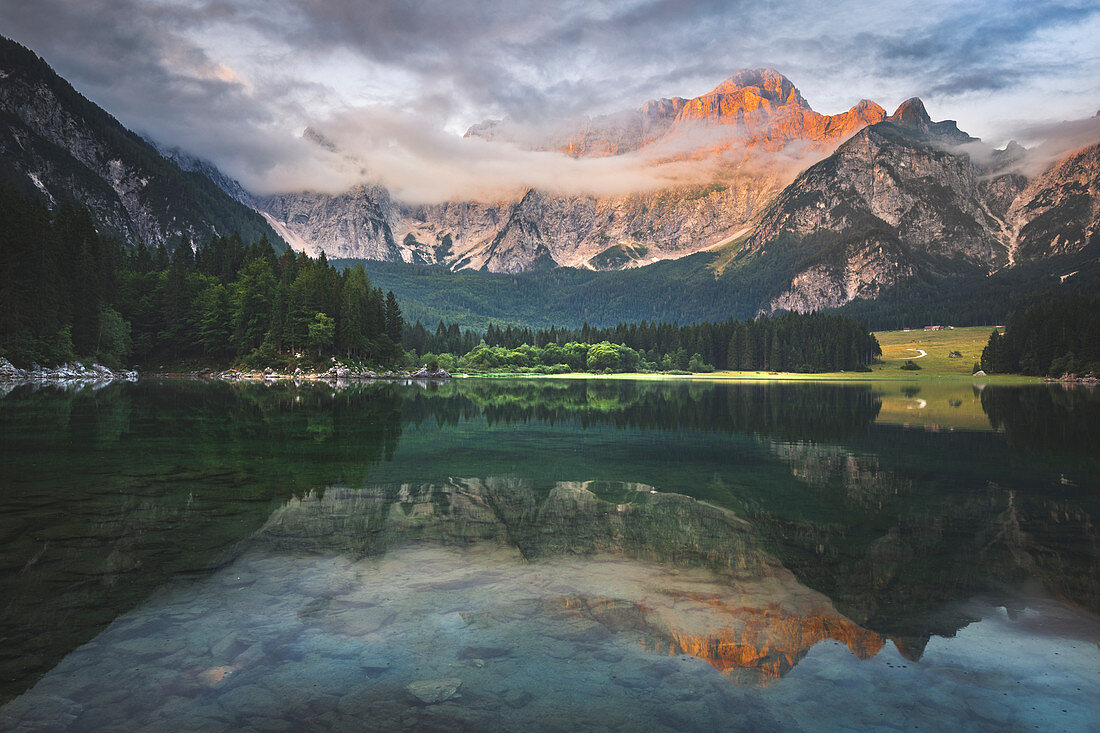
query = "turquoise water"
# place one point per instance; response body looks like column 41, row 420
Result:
column 505, row 554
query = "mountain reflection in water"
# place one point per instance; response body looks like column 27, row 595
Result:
column 311, row 556
column 720, row 596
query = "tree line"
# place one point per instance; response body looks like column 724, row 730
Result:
column 788, row 342
column 1051, row 338
column 66, row 291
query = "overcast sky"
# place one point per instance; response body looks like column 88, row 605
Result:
column 236, row 81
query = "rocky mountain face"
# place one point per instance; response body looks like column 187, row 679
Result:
column 193, row 164
column 904, row 199
column 56, row 144
column 755, row 110
column 1058, row 213
column 540, row 229
column 891, row 200
column 740, row 128
column 353, row 224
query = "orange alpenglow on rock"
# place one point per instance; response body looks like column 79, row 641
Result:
column 762, row 644
column 754, row 110
column 758, row 109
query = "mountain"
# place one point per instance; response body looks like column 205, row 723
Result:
column 1057, row 214
column 193, row 164
column 752, row 132
column 903, row 200
column 802, row 210
column 896, row 219
column 758, row 110
column 57, row 145
column 908, row 222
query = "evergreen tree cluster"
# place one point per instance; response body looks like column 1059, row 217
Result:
column 797, row 342
column 1052, row 338
column 57, row 284
column 688, row 290
column 66, row 291
column 790, row 342
column 446, row 339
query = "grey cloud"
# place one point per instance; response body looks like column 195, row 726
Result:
column 982, row 80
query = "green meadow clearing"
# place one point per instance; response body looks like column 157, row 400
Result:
column 928, row 349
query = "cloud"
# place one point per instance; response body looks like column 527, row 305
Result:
column 1052, row 141
column 419, row 163
column 237, row 81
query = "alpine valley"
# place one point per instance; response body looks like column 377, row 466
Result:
column 893, row 217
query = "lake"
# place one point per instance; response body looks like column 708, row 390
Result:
column 550, row 554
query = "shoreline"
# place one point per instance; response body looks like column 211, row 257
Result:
column 876, row 376
column 69, row 373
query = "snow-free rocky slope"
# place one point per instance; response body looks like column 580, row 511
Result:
column 894, row 200
column 57, row 145
column 901, row 200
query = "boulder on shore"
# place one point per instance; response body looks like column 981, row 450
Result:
column 425, row 373
column 66, row 372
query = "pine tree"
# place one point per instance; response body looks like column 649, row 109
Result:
column 394, row 323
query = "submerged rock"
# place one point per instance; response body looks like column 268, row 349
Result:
column 517, row 698
column 431, row 692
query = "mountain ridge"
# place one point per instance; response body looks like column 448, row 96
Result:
column 734, row 133
column 57, row 145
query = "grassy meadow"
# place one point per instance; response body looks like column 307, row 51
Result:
column 942, row 395
column 897, row 346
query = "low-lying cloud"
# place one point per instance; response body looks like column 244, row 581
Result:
column 419, row 163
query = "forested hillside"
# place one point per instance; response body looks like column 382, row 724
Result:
column 1053, row 338
column 696, row 289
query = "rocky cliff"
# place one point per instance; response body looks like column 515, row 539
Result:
column 904, row 199
column 1057, row 213
column 757, row 111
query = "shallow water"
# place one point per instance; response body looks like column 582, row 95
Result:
column 553, row 555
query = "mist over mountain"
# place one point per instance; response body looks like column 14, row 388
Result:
column 673, row 177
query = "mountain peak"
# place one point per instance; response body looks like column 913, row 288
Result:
column 766, row 83
column 911, row 113
column 868, row 104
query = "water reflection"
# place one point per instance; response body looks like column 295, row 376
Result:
column 1059, row 418
column 439, row 620
column 657, row 541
